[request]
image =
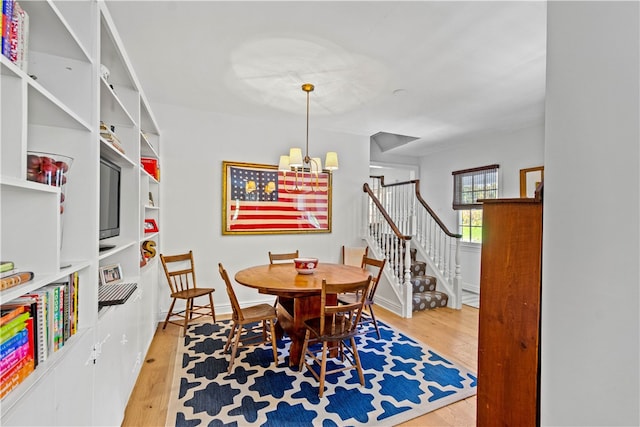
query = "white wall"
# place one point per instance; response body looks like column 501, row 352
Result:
column 591, row 280
column 512, row 150
column 194, row 144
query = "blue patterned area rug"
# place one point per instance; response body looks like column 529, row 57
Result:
column 403, row 380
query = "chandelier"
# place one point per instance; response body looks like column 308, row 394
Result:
column 306, row 167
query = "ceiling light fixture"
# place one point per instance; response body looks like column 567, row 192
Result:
column 295, row 162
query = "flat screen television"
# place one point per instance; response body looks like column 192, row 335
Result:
column 109, row 200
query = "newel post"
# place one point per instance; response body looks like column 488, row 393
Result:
column 407, row 286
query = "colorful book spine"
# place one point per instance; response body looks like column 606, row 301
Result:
column 7, row 15
column 64, row 322
column 41, row 326
column 14, row 357
column 13, row 343
column 24, row 369
column 13, row 327
column 10, row 312
column 74, row 303
column 19, row 36
column 6, row 375
column 56, row 318
column 31, row 338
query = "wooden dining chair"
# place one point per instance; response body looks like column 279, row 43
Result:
column 250, row 319
column 282, row 257
column 335, row 329
column 352, row 255
column 181, row 277
column 376, row 267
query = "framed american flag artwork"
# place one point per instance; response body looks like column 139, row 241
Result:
column 260, row 199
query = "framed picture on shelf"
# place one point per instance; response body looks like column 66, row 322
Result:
column 150, row 226
column 110, row 274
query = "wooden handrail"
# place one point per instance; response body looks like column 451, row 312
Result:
column 433, row 214
column 386, row 216
column 416, row 182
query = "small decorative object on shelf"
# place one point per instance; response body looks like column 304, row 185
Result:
column 151, row 166
column 104, row 72
column 50, row 169
column 15, row 279
column 151, row 199
column 108, row 133
column 150, row 226
column 149, row 248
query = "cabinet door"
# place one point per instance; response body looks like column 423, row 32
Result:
column 35, row 408
column 74, row 380
column 108, row 400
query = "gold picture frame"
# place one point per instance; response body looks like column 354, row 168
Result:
column 260, row 199
column 530, row 179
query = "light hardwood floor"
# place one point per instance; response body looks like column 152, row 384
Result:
column 451, row 333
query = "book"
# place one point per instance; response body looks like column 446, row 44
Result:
column 14, row 342
column 7, row 15
column 9, row 312
column 22, row 371
column 29, row 303
column 41, row 325
column 14, row 357
column 6, row 266
column 75, row 282
column 8, row 373
column 19, row 37
column 31, row 339
column 15, row 279
column 67, row 311
column 13, row 326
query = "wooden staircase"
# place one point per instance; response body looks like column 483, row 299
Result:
column 425, row 295
column 422, row 254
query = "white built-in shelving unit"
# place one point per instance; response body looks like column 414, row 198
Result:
column 56, row 107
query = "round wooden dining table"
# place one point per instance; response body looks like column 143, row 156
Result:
column 298, row 294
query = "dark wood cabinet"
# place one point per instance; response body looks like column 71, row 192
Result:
column 509, row 321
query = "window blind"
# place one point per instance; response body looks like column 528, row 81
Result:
column 470, row 185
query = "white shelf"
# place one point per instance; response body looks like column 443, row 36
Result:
column 56, row 107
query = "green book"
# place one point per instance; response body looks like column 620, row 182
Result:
column 13, row 327
column 6, row 266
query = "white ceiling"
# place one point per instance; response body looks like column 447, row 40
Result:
column 426, row 69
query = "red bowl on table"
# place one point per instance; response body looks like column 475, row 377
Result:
column 305, row 265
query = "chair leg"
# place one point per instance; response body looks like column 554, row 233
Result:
column 373, row 319
column 234, row 349
column 356, row 358
column 303, row 353
column 187, row 315
column 323, row 368
column 230, row 337
column 273, row 341
column 213, row 311
column 166, row 320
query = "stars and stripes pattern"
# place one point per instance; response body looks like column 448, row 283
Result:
column 268, row 200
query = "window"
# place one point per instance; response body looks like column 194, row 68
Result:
column 469, row 186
